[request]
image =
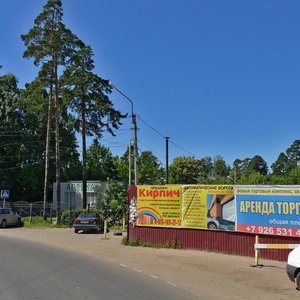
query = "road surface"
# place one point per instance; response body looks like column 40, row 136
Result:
column 56, row 257
column 34, row 271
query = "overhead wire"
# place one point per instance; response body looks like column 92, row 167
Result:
column 162, row 156
column 163, row 136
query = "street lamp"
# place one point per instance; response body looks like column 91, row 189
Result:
column 133, row 117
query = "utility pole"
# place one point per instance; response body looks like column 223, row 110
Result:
column 167, row 159
column 135, row 147
column 136, row 171
column 234, row 176
column 129, row 163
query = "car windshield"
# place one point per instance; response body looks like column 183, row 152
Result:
column 87, row 215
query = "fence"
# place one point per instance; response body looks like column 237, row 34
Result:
column 28, row 209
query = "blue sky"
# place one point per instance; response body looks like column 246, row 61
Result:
column 217, row 77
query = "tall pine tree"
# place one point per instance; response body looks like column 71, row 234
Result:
column 51, row 44
column 91, row 110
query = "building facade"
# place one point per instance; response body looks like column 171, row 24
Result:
column 72, row 194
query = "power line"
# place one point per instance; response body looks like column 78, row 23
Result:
column 183, row 149
column 162, row 156
column 163, row 136
column 159, row 133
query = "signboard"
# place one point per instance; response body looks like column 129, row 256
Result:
column 78, row 186
column 208, row 206
column 4, row 194
column 187, row 206
column 273, row 210
column 159, row 206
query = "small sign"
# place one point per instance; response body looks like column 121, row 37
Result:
column 4, row 194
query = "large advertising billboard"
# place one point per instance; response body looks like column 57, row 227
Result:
column 208, row 206
column 186, row 206
column 159, row 206
column 273, row 210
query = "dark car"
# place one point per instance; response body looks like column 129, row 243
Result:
column 88, row 221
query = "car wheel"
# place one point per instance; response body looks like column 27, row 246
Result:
column 3, row 224
column 76, row 230
column 212, row 225
column 298, row 281
column 19, row 222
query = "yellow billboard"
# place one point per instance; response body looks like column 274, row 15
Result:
column 203, row 205
column 159, row 205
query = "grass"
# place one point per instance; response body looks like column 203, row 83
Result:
column 137, row 243
column 39, row 222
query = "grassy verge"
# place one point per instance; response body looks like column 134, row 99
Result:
column 137, row 243
column 39, row 222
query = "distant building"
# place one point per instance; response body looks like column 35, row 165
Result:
column 71, row 193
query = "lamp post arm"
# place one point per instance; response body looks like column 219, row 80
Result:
column 114, row 87
column 133, row 117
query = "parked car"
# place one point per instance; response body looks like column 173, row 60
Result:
column 212, row 223
column 9, row 218
column 88, row 221
column 293, row 266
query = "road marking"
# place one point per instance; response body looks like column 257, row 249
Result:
column 123, row 265
column 155, row 277
column 173, row 284
column 137, row 270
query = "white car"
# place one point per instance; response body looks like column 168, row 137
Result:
column 9, row 218
column 293, row 266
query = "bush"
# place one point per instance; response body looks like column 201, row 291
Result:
column 135, row 243
column 125, row 241
column 68, row 216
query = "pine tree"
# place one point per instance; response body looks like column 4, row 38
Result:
column 51, row 44
column 86, row 96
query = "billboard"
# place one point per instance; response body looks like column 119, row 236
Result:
column 273, row 210
column 186, row 206
column 208, row 206
column 159, row 206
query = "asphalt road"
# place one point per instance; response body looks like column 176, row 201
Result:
column 31, row 270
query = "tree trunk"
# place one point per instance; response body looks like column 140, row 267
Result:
column 57, row 142
column 47, row 154
column 84, row 175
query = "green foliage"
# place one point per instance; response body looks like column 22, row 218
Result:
column 207, row 164
column 294, row 176
column 100, row 163
column 37, row 221
column 124, row 241
column 254, row 178
column 293, row 152
column 135, row 243
column 113, row 203
column 68, row 216
column 86, row 95
column 220, row 169
column 259, row 165
column 150, row 170
column 186, row 170
column 279, row 167
column 173, row 244
column 122, row 165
